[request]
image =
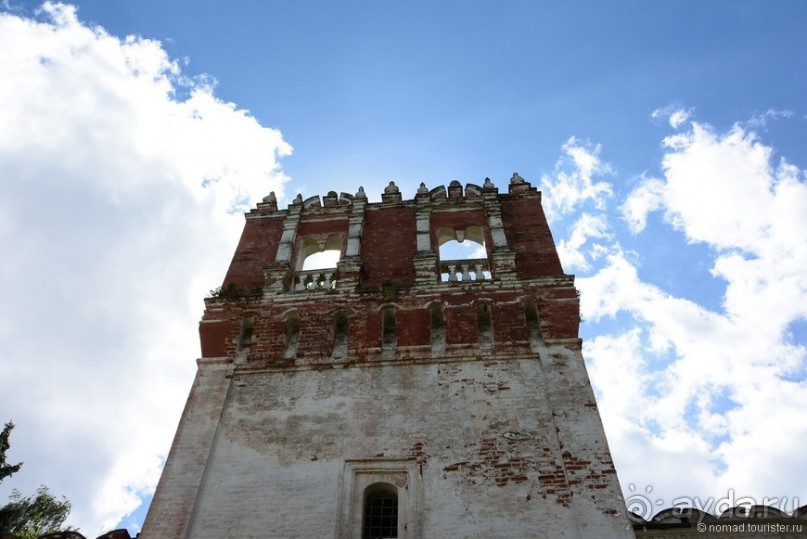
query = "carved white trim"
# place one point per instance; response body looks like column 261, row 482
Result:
column 357, row 475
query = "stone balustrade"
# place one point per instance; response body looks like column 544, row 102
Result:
column 320, row 279
column 474, row 269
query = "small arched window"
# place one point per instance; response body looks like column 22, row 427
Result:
column 438, row 329
column 292, row 336
column 380, row 516
column 389, row 336
column 318, row 254
column 317, row 261
column 322, row 260
column 340, row 327
column 484, row 324
column 245, row 333
column 463, row 255
column 533, row 322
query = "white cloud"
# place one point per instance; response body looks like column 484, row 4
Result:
column 117, row 198
column 760, row 121
column 723, row 190
column 646, row 198
column 678, row 118
column 710, row 392
column 733, row 179
column 566, row 189
column 675, row 115
column 571, row 252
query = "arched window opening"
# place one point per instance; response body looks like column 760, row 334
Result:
column 245, row 333
column 484, row 324
column 533, row 323
column 388, row 330
column 340, row 327
column 380, row 518
column 438, row 330
column 317, row 263
column 463, row 255
column 292, row 336
column 322, row 260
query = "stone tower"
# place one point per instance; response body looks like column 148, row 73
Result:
column 395, row 394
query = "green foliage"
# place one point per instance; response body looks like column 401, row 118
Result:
column 32, row 516
column 215, row 293
column 231, row 292
column 6, row 469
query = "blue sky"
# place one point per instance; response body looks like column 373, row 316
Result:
column 667, row 138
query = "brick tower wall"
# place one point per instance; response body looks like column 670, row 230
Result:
column 468, row 397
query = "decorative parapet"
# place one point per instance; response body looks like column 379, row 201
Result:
column 474, row 269
column 321, row 279
column 404, row 236
column 392, row 195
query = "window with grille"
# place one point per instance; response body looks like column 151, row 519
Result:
column 380, row 499
column 380, row 512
